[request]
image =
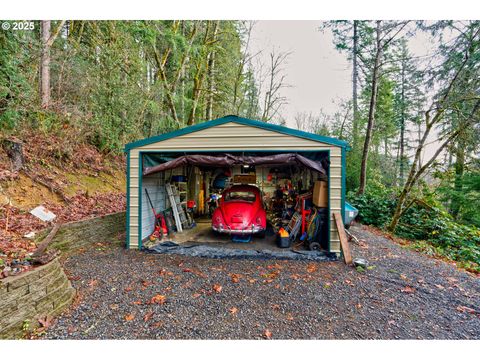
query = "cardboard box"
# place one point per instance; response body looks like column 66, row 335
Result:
column 245, row 179
column 320, row 194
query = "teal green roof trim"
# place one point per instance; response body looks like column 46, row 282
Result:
column 242, row 121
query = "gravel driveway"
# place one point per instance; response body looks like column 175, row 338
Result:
column 134, row 295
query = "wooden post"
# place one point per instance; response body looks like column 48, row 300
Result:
column 343, row 238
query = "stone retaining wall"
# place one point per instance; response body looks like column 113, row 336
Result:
column 84, row 233
column 45, row 290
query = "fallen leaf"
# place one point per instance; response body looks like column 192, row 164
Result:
column 271, row 274
column 452, row 279
column 276, row 307
column 267, row 334
column 196, row 295
column 217, row 288
column 129, row 288
column 440, row 286
column 463, row 309
column 45, row 321
column 358, row 306
column 289, row 317
column 158, row 299
column 275, row 266
column 252, row 281
column 235, row 278
column 146, row 283
column 311, row 268
column 129, row 317
column 93, row 282
column 187, row 270
column 113, row 306
column 164, row 272
column 408, row 290
column 148, row 316
column 391, row 322
column 138, row 302
column 233, row 310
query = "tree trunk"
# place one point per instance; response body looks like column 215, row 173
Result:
column 371, row 112
column 14, row 150
column 402, row 129
column 459, row 169
column 211, row 82
column 45, row 64
column 355, row 84
column 200, row 75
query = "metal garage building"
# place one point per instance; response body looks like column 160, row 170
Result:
column 230, row 134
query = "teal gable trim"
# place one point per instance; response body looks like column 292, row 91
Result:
column 242, row 121
column 140, row 185
column 344, row 181
column 127, row 235
column 329, row 209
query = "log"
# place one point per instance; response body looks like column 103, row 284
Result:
column 38, row 256
column 347, row 256
column 50, row 187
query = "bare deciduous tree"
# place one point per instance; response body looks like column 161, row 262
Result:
column 276, row 81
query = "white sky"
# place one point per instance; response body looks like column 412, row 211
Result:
column 319, row 76
column 317, row 73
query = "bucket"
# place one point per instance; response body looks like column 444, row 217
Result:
column 283, row 242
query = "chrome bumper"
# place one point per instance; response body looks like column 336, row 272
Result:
column 228, row 230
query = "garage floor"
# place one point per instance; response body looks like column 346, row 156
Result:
column 202, row 234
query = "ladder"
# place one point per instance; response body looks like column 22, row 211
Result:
column 177, row 208
column 294, row 225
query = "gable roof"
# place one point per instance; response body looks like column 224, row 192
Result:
column 242, row 121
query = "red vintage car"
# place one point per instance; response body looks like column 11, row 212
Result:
column 240, row 211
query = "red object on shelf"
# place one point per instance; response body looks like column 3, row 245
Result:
column 191, row 204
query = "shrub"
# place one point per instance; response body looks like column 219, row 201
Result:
column 426, row 223
column 375, row 206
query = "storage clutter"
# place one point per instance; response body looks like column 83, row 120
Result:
column 295, row 200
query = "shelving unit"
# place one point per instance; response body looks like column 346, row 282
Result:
column 181, row 191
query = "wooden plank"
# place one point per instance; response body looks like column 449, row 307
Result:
column 343, row 238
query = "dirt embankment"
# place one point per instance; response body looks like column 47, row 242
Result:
column 74, row 181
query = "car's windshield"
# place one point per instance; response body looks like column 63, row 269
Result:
column 240, row 196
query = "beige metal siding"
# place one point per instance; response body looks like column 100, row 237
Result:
column 233, row 136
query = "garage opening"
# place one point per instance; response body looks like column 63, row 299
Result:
column 271, row 200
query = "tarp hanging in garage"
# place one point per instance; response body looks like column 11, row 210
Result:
column 229, row 160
